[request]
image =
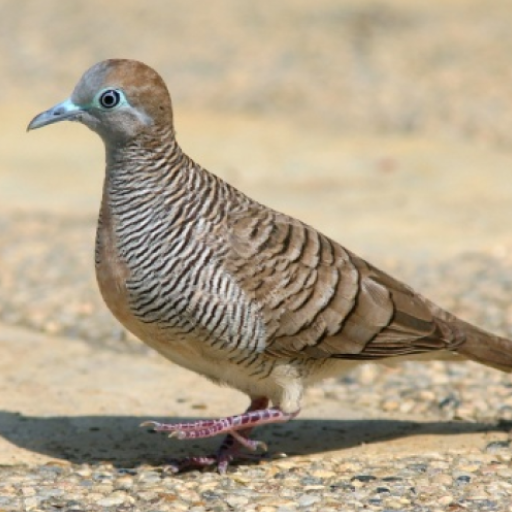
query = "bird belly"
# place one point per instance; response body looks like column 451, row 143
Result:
column 282, row 383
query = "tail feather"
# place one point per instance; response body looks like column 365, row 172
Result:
column 484, row 347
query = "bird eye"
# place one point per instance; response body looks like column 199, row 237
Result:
column 110, row 98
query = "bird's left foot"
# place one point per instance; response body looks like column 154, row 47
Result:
column 231, row 449
column 237, row 429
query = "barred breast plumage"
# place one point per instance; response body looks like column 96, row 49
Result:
column 229, row 288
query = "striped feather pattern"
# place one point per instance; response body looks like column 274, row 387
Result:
column 206, row 262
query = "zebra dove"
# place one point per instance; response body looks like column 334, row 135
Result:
column 226, row 287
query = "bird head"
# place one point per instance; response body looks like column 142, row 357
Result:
column 118, row 99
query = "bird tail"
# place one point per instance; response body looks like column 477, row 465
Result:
column 483, row 347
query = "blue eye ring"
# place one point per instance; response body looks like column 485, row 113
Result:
column 110, row 99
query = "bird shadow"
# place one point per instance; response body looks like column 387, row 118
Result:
column 118, row 439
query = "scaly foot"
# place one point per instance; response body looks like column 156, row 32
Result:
column 237, row 429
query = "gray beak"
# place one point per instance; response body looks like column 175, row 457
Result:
column 66, row 110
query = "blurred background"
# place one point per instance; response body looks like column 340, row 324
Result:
column 386, row 124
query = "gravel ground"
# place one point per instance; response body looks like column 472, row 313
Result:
column 434, row 482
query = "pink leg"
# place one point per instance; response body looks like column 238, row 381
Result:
column 236, row 427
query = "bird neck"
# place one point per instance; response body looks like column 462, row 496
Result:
column 146, row 159
column 157, row 177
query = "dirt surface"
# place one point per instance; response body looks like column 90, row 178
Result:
column 384, row 124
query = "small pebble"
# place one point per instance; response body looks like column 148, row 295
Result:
column 307, row 500
column 115, row 499
column 124, row 482
column 364, row 478
column 444, row 500
column 236, row 501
